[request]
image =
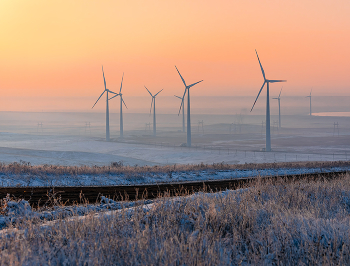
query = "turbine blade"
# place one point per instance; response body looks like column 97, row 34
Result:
column 258, row 95
column 262, row 70
column 178, row 97
column 112, row 92
column 276, row 80
column 181, row 76
column 121, row 84
column 113, row 97
column 124, row 102
column 149, row 91
column 98, row 99
column 182, row 101
column 158, row 92
column 104, row 80
column 280, row 92
column 150, row 110
column 193, row 84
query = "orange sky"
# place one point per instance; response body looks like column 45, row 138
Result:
column 56, row 48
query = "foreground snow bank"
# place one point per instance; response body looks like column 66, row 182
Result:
column 150, row 177
column 17, row 212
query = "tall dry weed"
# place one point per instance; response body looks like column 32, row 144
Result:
column 270, row 223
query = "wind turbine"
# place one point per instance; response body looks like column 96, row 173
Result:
column 154, row 109
column 310, row 101
column 107, row 107
column 187, row 89
column 279, row 108
column 267, row 81
column 121, row 106
column 183, row 112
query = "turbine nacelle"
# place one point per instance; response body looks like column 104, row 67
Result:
column 186, row 88
column 153, row 97
column 309, row 95
column 279, row 96
column 120, row 92
column 105, row 90
column 265, row 80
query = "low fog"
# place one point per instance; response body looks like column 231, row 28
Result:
column 229, row 132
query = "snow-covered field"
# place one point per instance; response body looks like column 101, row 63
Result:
column 84, row 150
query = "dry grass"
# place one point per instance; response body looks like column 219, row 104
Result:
column 118, row 168
column 271, row 223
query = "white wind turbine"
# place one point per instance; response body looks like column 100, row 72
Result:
column 183, row 112
column 107, row 107
column 279, row 108
column 121, row 106
column 187, row 89
column 310, row 101
column 267, row 81
column 154, row 110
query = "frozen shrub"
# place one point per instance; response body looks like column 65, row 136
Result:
column 270, row 223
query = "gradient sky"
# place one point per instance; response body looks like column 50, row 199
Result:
column 56, row 48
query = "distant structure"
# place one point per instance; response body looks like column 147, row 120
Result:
column 237, row 125
column 336, row 128
column 200, row 123
column 183, row 112
column 121, row 107
column 275, row 125
column 154, row 110
column 267, row 82
column 87, row 127
column 262, row 126
column 233, row 125
column 279, row 108
column 40, row 125
column 147, row 126
column 240, row 119
column 187, row 89
column 310, row 102
column 107, row 107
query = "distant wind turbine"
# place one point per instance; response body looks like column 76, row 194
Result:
column 267, row 81
column 187, row 89
column 121, row 106
column 183, row 112
column 310, row 101
column 279, row 108
column 154, row 110
column 107, row 107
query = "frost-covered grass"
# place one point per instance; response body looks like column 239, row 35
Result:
column 24, row 174
column 281, row 223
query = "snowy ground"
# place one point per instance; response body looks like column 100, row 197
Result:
column 34, row 180
column 80, row 150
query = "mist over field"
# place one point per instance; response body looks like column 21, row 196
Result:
column 224, row 105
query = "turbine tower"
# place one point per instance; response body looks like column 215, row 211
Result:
column 183, row 112
column 121, row 106
column 267, row 81
column 310, row 102
column 107, row 107
column 187, row 89
column 279, row 108
column 154, row 110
